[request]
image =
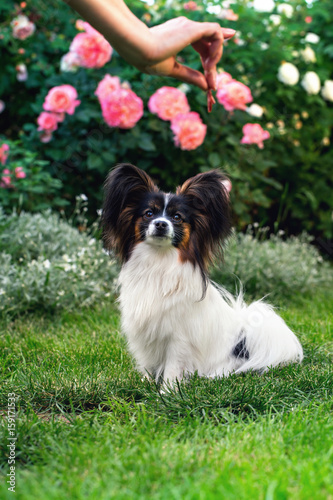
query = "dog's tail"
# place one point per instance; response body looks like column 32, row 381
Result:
column 265, row 340
column 269, row 341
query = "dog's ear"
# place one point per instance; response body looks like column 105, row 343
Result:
column 124, row 187
column 208, row 196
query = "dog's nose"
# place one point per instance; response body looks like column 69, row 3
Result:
column 161, row 224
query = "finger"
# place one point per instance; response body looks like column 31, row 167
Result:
column 209, row 63
column 189, row 75
column 211, row 76
column 228, row 33
column 213, row 38
column 210, row 55
column 210, row 49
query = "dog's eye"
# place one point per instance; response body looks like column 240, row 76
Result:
column 148, row 213
column 177, row 217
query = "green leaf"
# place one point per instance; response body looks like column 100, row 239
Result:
column 94, row 162
column 108, row 156
column 214, row 160
column 268, row 180
column 83, row 116
column 146, row 143
column 329, row 50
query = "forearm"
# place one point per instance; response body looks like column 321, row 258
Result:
column 129, row 36
column 154, row 50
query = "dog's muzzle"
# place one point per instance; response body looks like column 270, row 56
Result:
column 161, row 228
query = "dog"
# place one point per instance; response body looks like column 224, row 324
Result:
column 177, row 322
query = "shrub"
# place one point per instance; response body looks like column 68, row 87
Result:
column 289, row 180
column 272, row 265
column 25, row 181
column 46, row 263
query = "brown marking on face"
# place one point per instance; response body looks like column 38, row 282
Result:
column 186, row 248
column 186, row 228
column 137, row 230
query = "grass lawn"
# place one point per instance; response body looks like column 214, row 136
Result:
column 88, row 428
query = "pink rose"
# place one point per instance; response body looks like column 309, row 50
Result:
column 189, row 131
column 122, row 108
column 106, row 86
column 60, row 117
column 45, row 137
column 19, row 173
column 234, row 95
column 91, row 47
column 22, row 27
column 308, row 19
column 254, row 134
column 82, row 25
column 190, row 5
column 4, row 153
column 70, row 62
column 5, row 181
column 228, row 14
column 231, row 15
column 168, row 102
column 222, row 79
column 48, row 122
column 61, row 99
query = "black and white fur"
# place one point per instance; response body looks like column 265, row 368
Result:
column 176, row 321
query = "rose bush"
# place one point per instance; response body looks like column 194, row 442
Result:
column 25, row 181
column 289, row 180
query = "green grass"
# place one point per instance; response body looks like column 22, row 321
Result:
column 89, row 428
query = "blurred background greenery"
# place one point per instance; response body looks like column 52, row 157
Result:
column 51, row 192
column 287, row 185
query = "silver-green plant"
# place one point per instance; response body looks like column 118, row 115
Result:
column 47, row 263
column 272, row 265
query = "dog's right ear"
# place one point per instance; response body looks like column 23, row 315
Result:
column 123, row 189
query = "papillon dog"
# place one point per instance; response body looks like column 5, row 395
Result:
column 177, row 322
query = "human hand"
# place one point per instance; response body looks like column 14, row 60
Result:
column 171, row 37
column 154, row 50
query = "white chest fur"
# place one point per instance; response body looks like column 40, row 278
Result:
column 169, row 326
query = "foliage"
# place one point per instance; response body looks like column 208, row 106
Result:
column 46, row 263
column 272, row 265
column 290, row 180
column 36, row 190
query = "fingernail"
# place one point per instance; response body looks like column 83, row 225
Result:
column 228, row 31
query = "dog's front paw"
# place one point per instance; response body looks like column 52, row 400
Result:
column 171, row 379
